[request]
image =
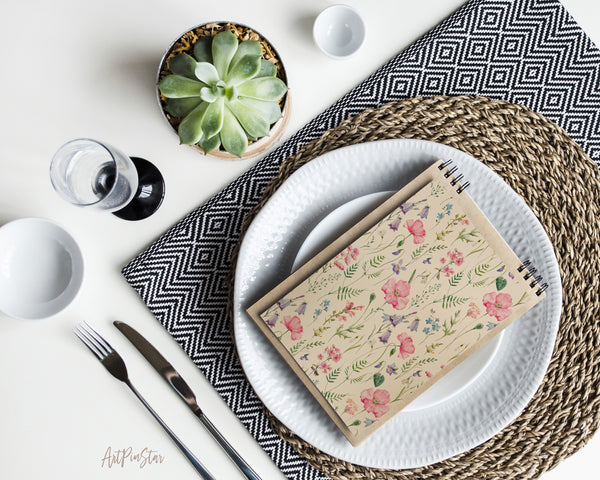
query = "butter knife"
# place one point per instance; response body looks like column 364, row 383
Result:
column 172, row 377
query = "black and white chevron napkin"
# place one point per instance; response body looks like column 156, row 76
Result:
column 524, row 51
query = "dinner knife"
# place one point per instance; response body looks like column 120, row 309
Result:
column 172, row 377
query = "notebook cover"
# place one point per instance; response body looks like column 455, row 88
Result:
column 396, row 302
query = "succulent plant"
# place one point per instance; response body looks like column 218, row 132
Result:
column 226, row 94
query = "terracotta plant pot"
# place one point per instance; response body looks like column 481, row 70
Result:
column 185, row 44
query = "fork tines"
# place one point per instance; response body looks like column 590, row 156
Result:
column 93, row 340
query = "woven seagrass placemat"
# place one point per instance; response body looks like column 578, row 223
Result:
column 562, row 187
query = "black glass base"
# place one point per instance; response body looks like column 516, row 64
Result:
column 149, row 195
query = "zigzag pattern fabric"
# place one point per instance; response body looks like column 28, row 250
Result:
column 525, row 51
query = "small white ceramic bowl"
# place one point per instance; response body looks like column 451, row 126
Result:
column 41, row 268
column 339, row 31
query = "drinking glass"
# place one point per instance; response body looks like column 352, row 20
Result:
column 89, row 173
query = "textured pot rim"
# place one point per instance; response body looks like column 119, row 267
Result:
column 256, row 147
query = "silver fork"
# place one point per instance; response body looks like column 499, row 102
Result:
column 115, row 365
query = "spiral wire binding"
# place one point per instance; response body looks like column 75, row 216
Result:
column 536, row 279
column 450, row 173
column 530, row 272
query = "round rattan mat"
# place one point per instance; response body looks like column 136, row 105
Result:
column 562, row 186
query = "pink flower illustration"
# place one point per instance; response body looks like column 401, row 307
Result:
column 497, row 305
column 415, row 227
column 345, row 257
column 406, row 347
column 334, row 353
column 351, row 407
column 456, row 256
column 396, row 293
column 473, row 310
column 294, row 325
column 447, row 270
column 375, row 401
column 325, row 367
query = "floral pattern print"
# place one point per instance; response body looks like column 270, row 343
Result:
column 376, row 325
column 294, row 325
column 396, row 293
column 406, row 346
column 497, row 305
column 375, row 401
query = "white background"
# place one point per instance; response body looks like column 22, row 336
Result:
column 73, row 69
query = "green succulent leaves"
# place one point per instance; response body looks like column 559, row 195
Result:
column 226, row 94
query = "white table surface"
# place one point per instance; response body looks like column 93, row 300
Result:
column 73, row 69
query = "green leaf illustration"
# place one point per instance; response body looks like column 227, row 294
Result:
column 332, row 376
column 344, row 293
column 358, row 366
column 351, row 270
column 451, row 301
column 482, row 269
column 378, row 379
column 500, row 283
column 334, row 397
column 455, row 279
column 377, row 261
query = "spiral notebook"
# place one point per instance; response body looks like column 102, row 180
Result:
column 397, row 301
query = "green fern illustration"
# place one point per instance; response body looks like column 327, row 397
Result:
column 456, row 278
column 334, row 397
column 419, row 251
column 451, row 301
column 357, row 379
column 374, row 274
column 351, row 270
column 482, row 269
column 297, row 346
column 359, row 365
column 377, row 261
column 344, row 293
column 333, row 375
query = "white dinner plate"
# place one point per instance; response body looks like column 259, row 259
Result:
column 477, row 404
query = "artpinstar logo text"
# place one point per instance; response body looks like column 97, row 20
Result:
column 126, row 456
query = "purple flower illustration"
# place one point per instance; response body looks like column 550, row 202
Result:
column 272, row 321
column 301, row 309
column 283, row 303
column 417, row 373
column 405, row 207
column 414, row 325
column 395, row 224
column 394, row 319
column 385, row 337
column 427, row 260
column 397, row 267
column 424, row 212
column 391, row 369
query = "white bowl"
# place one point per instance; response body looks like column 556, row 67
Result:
column 339, row 31
column 41, row 268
